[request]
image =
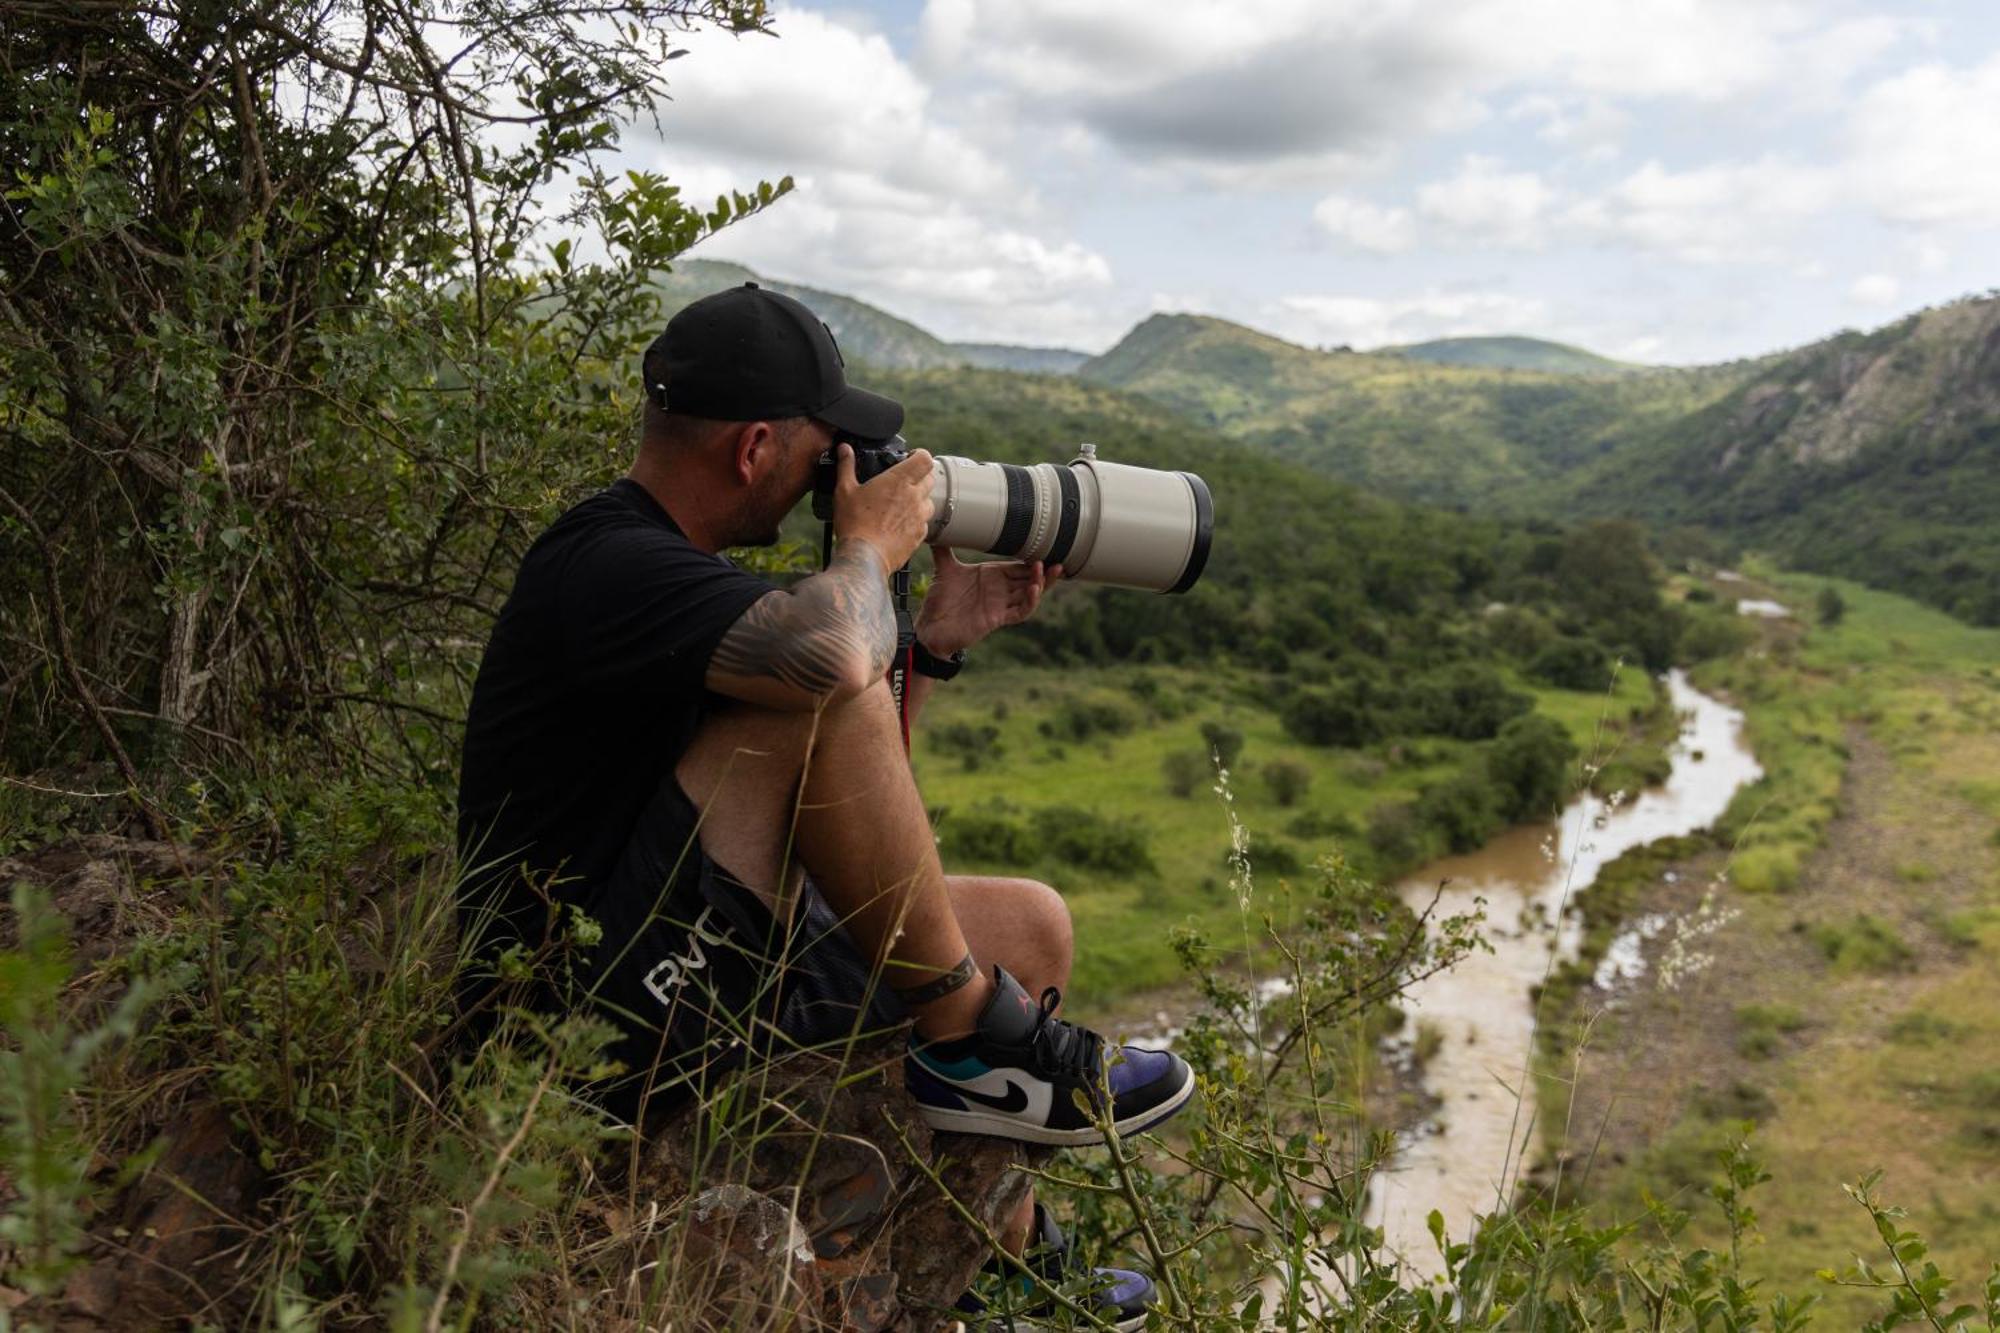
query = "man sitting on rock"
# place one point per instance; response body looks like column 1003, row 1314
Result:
column 712, row 769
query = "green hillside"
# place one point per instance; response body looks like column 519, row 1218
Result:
column 1032, row 360
column 1442, row 434
column 1512, row 352
column 1870, row 455
column 867, row 334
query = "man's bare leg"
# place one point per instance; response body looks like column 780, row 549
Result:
column 742, row 772
column 858, row 824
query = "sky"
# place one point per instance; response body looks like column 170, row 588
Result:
column 1672, row 181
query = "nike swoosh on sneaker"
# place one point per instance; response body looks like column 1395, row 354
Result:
column 1013, row 1103
column 1010, row 1096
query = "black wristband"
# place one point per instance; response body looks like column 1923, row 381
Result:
column 927, row 663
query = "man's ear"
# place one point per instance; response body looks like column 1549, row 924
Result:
column 749, row 448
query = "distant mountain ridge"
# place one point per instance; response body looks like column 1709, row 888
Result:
column 1512, row 351
column 1871, row 455
column 1440, row 433
column 867, row 334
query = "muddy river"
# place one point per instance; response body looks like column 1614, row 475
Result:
column 1465, row 1160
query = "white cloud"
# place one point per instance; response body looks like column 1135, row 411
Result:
column 1723, row 212
column 1365, row 226
column 894, row 203
column 1875, row 289
column 1487, row 204
column 1318, row 85
column 1371, row 321
column 1926, row 145
column 1591, row 126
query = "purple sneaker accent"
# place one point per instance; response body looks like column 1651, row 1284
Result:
column 1121, row 1297
column 1025, row 1074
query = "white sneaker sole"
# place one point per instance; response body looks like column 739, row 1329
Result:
column 993, row 1124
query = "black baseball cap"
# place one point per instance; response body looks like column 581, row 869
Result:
column 748, row 354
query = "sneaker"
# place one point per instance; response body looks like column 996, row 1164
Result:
column 1117, row 1296
column 1028, row 1075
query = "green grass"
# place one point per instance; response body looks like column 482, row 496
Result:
column 1865, row 1042
column 1123, row 921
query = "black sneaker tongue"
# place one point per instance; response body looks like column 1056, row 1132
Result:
column 1010, row 1016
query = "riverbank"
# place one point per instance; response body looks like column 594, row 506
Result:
column 1480, row 1019
column 1843, row 989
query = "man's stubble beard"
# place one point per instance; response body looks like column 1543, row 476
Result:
column 759, row 522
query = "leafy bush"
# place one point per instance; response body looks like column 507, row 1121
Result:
column 1572, row 663
column 1765, row 869
column 1396, row 835
column 1462, row 811
column 1865, row 944
column 1090, row 841
column 975, row 743
column 1468, row 701
column 1760, row 1027
column 1319, row 824
column 1341, row 715
column 1832, row 607
column 1079, row 719
column 1529, row 768
column 1185, row 770
column 1288, row 780
column 1224, row 742
column 987, row 836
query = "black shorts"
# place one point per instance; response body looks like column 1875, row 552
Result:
column 698, row 975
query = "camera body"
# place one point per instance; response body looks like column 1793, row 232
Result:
column 1103, row 522
column 871, row 459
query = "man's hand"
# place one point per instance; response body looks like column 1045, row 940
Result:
column 968, row 602
column 891, row 513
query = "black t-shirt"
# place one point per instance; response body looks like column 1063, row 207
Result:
column 590, row 690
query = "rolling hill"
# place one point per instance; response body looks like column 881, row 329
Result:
column 867, row 334
column 1438, row 433
column 1512, row 352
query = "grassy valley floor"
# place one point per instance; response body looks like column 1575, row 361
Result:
column 1135, row 860
column 1842, row 987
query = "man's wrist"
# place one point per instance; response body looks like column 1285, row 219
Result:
column 937, row 666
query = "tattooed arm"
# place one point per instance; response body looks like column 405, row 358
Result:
column 826, row 640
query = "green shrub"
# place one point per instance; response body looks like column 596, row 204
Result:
column 1920, row 1027
column 1760, row 1027
column 1468, row 701
column 1396, row 835
column 1765, row 869
column 1288, row 779
column 1529, row 768
column 1081, row 719
column 1738, row 1101
column 1865, row 944
column 1982, row 1090
column 1338, row 715
column 1185, row 770
column 1462, row 811
column 987, row 836
column 974, row 743
column 1224, row 742
column 1090, row 841
column 1319, row 824
column 1573, row 663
